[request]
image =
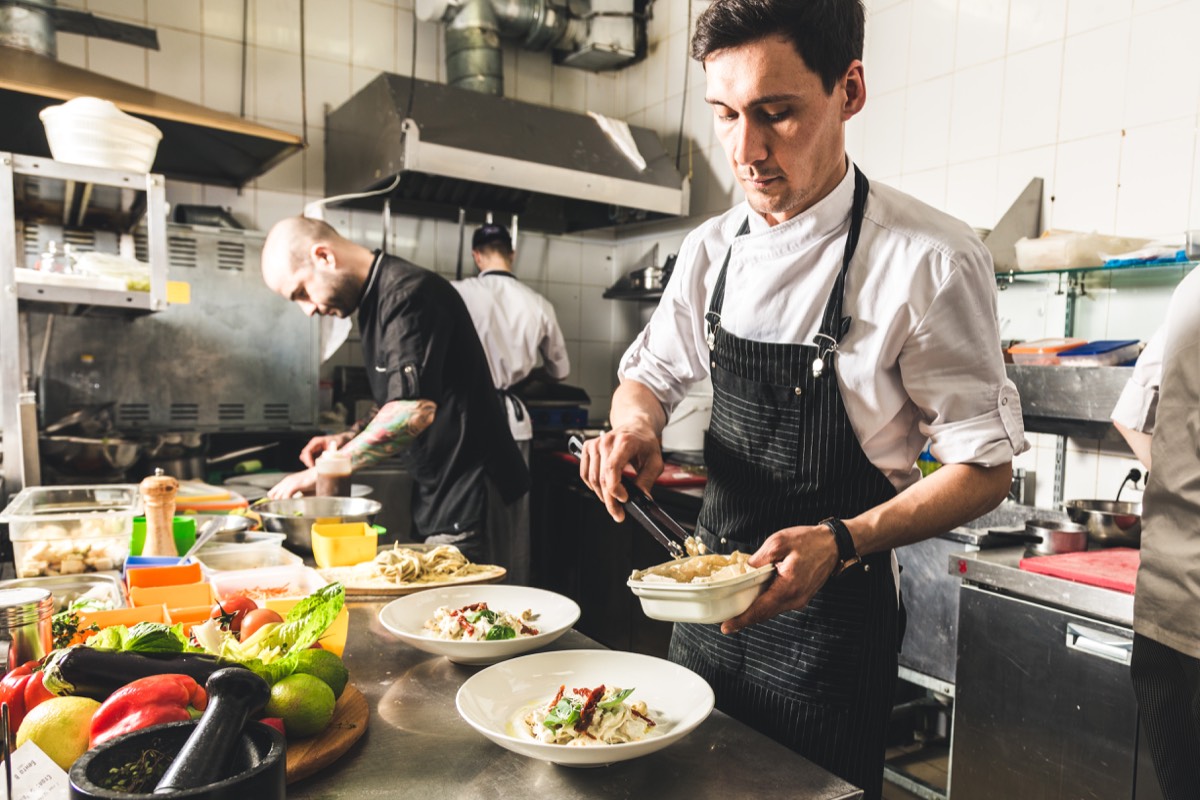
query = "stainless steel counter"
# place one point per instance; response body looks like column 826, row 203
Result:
column 1000, row 569
column 417, row 746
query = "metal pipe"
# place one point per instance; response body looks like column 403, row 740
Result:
column 473, row 58
column 462, row 221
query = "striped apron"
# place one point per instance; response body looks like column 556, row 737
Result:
column 780, row 452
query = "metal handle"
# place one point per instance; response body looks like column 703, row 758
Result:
column 1099, row 643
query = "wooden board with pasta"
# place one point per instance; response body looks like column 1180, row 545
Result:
column 406, row 568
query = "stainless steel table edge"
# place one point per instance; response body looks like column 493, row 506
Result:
column 999, row 569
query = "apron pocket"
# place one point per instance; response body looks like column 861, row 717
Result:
column 758, row 421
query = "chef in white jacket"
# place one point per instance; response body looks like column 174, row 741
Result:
column 519, row 329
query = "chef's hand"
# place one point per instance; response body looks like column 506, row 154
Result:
column 297, row 483
column 605, row 457
column 804, row 558
column 319, row 444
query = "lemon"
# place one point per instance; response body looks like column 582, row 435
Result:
column 304, row 703
column 60, row 727
column 326, row 666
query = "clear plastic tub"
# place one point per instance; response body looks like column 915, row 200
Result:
column 57, row 530
column 269, row 583
column 105, row 588
column 233, row 559
column 1100, row 354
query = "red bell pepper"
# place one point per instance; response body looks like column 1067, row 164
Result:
column 145, row 702
column 22, row 689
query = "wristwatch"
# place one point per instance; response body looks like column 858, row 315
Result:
column 847, row 554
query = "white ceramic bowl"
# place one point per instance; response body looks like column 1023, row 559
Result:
column 494, row 700
column 700, row 602
column 95, row 133
column 406, row 617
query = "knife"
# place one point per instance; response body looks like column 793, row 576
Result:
column 649, row 514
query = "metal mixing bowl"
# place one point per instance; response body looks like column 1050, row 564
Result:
column 1056, row 537
column 1109, row 523
column 295, row 516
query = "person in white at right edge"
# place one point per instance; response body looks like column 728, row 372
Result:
column 844, row 325
column 1158, row 413
column 518, row 328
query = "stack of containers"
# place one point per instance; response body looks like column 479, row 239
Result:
column 1042, row 352
column 66, row 530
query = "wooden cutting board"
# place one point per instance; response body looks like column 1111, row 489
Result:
column 349, row 723
column 1115, row 568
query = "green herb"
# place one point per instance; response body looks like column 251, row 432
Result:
column 500, row 632
column 137, row 777
column 474, row 616
column 614, row 702
column 64, row 627
column 564, row 713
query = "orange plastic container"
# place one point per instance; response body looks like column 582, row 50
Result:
column 189, row 616
column 119, row 616
column 147, row 577
column 1042, row 352
column 185, row 596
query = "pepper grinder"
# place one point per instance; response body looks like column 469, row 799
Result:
column 158, row 500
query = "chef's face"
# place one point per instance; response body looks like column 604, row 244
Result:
column 319, row 287
column 783, row 134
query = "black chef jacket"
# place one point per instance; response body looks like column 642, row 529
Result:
column 419, row 343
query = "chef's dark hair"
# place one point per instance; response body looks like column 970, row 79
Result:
column 492, row 237
column 828, row 34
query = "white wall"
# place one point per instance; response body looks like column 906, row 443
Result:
column 967, row 100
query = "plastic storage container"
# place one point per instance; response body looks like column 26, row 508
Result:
column 1070, row 250
column 1107, row 353
column 1042, row 352
column 58, row 530
column 105, row 588
column 264, row 584
column 236, row 560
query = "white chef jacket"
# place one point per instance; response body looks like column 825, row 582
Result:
column 922, row 358
column 1162, row 397
column 517, row 326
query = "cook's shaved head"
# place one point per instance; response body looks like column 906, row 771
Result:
column 288, row 245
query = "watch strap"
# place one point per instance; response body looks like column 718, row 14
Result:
column 847, row 553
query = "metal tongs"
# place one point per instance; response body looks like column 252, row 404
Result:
column 649, row 514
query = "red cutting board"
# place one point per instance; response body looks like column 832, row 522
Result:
column 1115, row 568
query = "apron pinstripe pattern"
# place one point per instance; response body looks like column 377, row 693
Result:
column 780, row 451
column 1167, row 685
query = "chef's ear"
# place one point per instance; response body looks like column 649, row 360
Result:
column 322, row 256
column 854, row 86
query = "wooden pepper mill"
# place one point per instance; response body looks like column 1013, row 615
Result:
column 158, row 500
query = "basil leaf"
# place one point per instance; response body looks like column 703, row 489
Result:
column 614, row 702
column 500, row 632
column 566, row 712
column 475, row 616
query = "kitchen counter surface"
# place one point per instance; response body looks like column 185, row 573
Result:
column 1000, row 569
column 417, row 746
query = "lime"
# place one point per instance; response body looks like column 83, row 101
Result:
column 304, row 703
column 61, row 727
column 326, row 666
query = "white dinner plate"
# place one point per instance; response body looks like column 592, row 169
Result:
column 406, row 618
column 494, row 700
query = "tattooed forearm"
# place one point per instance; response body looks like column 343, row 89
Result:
column 392, row 430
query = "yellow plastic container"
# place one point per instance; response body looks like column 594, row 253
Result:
column 334, row 637
column 343, row 544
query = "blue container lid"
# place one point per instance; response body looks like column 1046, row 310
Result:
column 1097, row 348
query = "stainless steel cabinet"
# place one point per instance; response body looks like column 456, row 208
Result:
column 1045, row 709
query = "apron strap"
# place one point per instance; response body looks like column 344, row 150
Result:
column 712, row 318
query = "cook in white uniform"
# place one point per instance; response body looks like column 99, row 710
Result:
column 1159, row 415
column 844, row 325
column 518, row 329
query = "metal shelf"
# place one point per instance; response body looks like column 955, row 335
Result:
column 1124, row 269
column 76, row 301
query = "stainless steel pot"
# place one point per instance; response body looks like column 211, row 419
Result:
column 1108, row 522
column 1054, row 537
column 295, row 516
column 85, row 455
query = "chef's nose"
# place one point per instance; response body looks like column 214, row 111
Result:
column 307, row 306
column 749, row 141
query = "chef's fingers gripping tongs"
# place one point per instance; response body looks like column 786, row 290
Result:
column 649, row 514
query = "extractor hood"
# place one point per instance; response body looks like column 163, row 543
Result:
column 198, row 144
column 448, row 149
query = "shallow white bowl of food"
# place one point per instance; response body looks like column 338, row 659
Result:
column 406, row 617
column 705, row 603
column 496, row 700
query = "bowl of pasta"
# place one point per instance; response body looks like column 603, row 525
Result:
column 585, row 708
column 701, row 589
column 479, row 624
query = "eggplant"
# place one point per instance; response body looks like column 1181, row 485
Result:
column 87, row 672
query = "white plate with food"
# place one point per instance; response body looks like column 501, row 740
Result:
column 702, row 589
column 404, row 568
column 456, row 622
column 585, row 708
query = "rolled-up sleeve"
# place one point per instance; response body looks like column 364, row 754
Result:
column 668, row 356
column 953, row 370
column 1138, row 402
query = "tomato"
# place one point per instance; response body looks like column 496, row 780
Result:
column 256, row 619
column 231, row 612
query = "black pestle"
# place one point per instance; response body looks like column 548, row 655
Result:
column 233, row 695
